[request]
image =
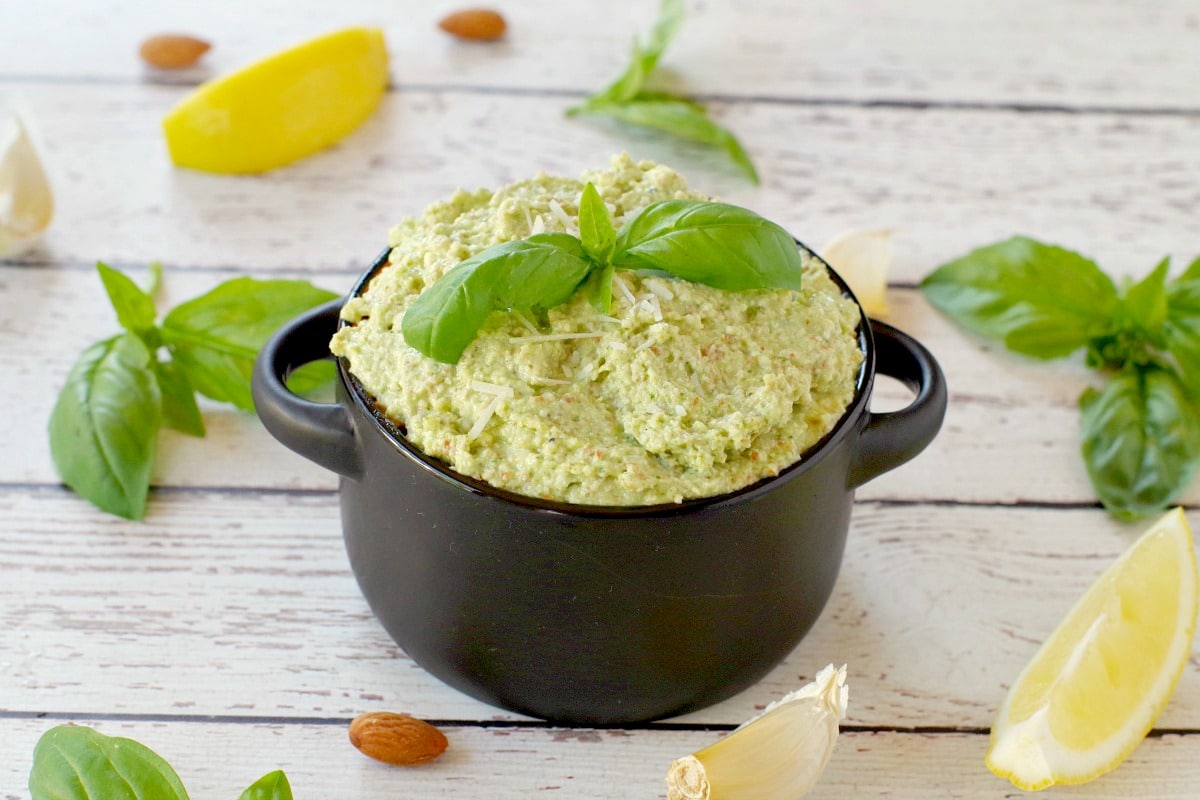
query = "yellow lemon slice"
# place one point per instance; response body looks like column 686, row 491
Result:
column 282, row 108
column 1094, row 689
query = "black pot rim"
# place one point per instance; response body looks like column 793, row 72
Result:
column 442, row 471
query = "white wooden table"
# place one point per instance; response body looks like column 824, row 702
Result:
column 226, row 632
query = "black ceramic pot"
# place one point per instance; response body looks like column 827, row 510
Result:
column 583, row 614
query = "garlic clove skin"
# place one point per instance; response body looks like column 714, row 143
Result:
column 863, row 258
column 778, row 755
column 26, row 199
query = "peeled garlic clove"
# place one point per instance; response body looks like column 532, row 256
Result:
column 778, row 755
column 26, row 201
column 863, row 259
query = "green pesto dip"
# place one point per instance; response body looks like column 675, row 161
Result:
column 683, row 391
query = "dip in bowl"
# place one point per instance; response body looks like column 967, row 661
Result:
column 598, row 516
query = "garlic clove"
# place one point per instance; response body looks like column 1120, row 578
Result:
column 863, row 259
column 778, row 755
column 26, row 199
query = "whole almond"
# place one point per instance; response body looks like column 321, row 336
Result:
column 478, row 24
column 396, row 738
column 173, row 50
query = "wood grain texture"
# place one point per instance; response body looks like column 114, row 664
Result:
column 1063, row 52
column 1121, row 189
column 243, row 604
column 219, row 759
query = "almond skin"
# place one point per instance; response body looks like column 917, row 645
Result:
column 477, row 24
column 173, row 50
column 396, row 738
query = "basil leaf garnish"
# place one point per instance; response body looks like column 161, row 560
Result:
column 533, row 274
column 716, row 244
column 73, row 762
column 1143, row 305
column 1181, row 329
column 215, row 337
column 1038, row 299
column 1141, row 438
column 105, row 424
column 272, row 786
column 596, row 231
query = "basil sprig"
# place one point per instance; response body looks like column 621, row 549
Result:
column 1140, row 429
column 74, row 762
column 121, row 391
column 699, row 241
column 626, row 99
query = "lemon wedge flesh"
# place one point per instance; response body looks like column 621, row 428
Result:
column 282, row 108
column 863, row 259
column 1096, row 686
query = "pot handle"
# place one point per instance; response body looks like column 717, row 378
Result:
column 321, row 432
column 892, row 438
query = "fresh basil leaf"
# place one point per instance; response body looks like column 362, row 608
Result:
column 105, row 424
column 644, row 58
column 312, row 377
column 1141, row 440
column 599, row 289
column 215, row 337
column 272, row 786
column 683, row 119
column 595, row 226
column 179, row 409
column 134, row 307
column 73, row 762
column 1143, row 307
column 1181, row 330
column 1038, row 299
column 720, row 245
column 1192, row 273
column 154, row 280
column 535, row 274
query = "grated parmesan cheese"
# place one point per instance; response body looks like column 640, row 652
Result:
column 539, row 226
column 483, row 420
column 548, row 381
column 623, row 289
column 660, row 289
column 528, row 325
column 557, row 212
column 492, row 388
column 555, row 337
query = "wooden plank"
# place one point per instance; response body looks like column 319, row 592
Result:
column 243, row 604
column 1005, row 411
column 1017, row 51
column 1119, row 188
column 217, row 759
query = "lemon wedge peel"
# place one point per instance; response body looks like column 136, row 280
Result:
column 863, row 259
column 778, row 755
column 282, row 108
column 26, row 197
column 1057, row 725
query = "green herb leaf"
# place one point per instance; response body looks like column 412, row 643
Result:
column 105, row 424
column 311, row 377
column 599, row 288
column 1143, row 307
column 596, row 230
column 1038, row 299
column 683, row 119
column 73, row 762
column 627, row 100
column 533, row 274
column 215, row 337
column 644, row 58
column 1181, row 329
column 272, row 786
column 179, row 409
column 1192, row 273
column 720, row 245
column 1141, row 439
column 134, row 307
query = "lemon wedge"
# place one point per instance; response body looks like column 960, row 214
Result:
column 282, row 108
column 1096, row 686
